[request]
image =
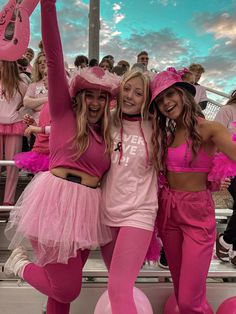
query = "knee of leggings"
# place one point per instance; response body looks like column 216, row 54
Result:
column 66, row 294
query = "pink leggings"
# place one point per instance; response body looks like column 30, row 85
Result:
column 60, row 282
column 124, row 257
column 11, row 145
column 186, row 223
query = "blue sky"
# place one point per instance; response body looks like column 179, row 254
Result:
column 174, row 32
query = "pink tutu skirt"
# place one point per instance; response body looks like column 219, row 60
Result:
column 17, row 128
column 32, row 161
column 57, row 217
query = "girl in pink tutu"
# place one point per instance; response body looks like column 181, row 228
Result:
column 12, row 91
column 37, row 159
column 186, row 216
column 58, row 213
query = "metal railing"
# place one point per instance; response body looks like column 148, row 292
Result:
column 213, row 106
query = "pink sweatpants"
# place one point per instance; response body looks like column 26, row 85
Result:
column 60, row 282
column 124, row 257
column 11, row 145
column 186, row 222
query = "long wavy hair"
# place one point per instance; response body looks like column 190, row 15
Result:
column 36, row 74
column 10, row 79
column 164, row 129
column 232, row 100
column 117, row 118
column 81, row 139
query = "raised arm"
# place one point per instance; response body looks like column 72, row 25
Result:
column 58, row 92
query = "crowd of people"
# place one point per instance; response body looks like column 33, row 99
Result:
column 119, row 154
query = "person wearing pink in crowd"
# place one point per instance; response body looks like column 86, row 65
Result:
column 129, row 191
column 59, row 211
column 36, row 94
column 12, row 91
column 37, row 159
column 186, row 216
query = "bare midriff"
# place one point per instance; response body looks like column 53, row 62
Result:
column 187, row 181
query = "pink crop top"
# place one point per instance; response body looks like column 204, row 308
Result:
column 94, row 160
column 179, row 159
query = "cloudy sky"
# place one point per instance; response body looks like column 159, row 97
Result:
column 174, row 32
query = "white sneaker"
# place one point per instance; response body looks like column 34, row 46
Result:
column 16, row 261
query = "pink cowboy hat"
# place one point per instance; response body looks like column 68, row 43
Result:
column 166, row 79
column 95, row 78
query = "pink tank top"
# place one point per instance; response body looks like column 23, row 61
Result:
column 180, row 159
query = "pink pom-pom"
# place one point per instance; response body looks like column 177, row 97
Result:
column 223, row 168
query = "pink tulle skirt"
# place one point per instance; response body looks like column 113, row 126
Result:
column 17, row 128
column 32, row 161
column 58, row 217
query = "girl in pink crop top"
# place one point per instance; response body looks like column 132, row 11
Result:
column 180, row 159
column 186, row 216
column 59, row 211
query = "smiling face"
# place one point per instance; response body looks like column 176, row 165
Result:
column 95, row 103
column 170, row 103
column 133, row 96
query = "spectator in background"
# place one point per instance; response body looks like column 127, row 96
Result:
column 201, row 96
column 23, row 64
column 36, row 94
column 81, row 61
column 110, row 58
column 143, row 58
column 29, row 55
column 138, row 67
column 40, row 45
column 124, row 64
column 226, row 241
column 93, row 63
column 12, row 91
column 106, row 64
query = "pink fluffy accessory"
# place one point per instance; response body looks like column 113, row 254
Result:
column 223, row 167
column 95, row 78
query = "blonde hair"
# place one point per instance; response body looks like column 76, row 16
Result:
column 10, row 79
column 81, row 139
column 36, row 75
column 147, row 96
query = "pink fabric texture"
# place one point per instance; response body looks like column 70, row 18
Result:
column 180, row 159
column 60, row 282
column 124, row 258
column 32, row 161
column 95, row 78
column 17, row 128
column 13, row 49
column 166, row 79
column 134, row 204
column 62, row 219
column 186, row 223
column 10, row 144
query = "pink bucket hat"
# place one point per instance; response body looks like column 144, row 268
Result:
column 166, row 79
column 95, row 78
